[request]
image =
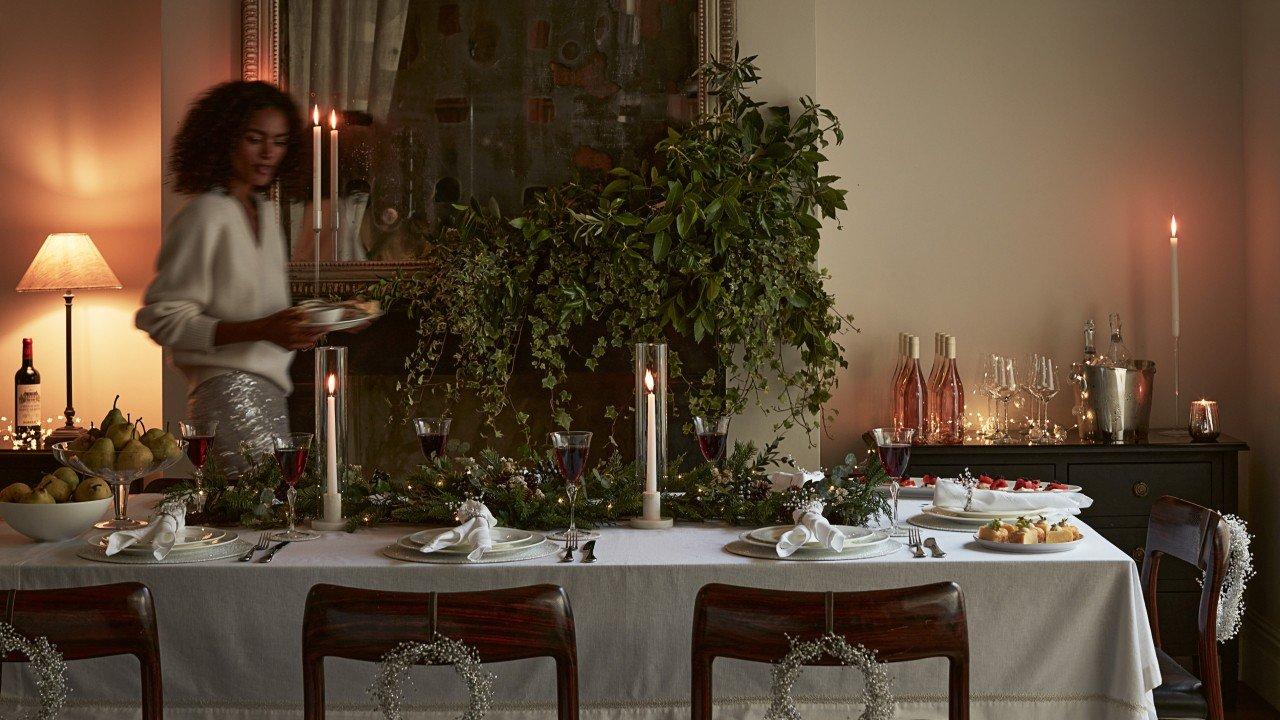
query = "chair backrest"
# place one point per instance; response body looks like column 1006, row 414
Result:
column 92, row 622
column 898, row 625
column 1197, row 536
column 510, row 624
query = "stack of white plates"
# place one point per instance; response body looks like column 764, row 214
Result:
column 192, row 538
column 859, row 542
column 976, row 518
column 505, row 541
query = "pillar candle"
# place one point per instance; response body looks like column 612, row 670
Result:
column 651, row 436
column 331, row 438
column 1173, row 272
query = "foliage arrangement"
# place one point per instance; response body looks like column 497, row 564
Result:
column 529, row 493
column 713, row 239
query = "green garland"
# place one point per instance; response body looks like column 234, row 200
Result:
column 529, row 493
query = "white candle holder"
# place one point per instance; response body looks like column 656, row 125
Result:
column 651, row 432
column 331, row 362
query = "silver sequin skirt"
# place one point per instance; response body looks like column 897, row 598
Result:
column 250, row 411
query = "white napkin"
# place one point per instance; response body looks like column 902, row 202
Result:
column 163, row 530
column 951, row 495
column 810, row 525
column 781, row 481
column 476, row 522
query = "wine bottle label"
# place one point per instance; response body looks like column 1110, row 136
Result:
column 28, row 405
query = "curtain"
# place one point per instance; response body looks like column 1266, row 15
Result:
column 345, row 53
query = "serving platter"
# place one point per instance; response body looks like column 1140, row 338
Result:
column 1032, row 549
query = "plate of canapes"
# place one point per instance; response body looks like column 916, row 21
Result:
column 922, row 487
column 1029, row 536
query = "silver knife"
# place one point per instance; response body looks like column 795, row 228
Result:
column 272, row 552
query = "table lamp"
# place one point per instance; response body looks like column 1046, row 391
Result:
column 67, row 262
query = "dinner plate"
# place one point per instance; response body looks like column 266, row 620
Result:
column 351, row 317
column 879, row 538
column 1033, row 549
column 194, row 537
column 772, row 534
column 918, row 491
column 504, row 539
column 987, row 516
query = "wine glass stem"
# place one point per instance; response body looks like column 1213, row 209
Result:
column 291, row 495
column 573, row 501
column 120, row 500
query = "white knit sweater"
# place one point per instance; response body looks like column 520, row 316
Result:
column 211, row 268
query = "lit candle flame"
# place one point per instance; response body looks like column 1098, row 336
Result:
column 333, row 383
column 1173, row 226
column 315, row 114
column 648, row 380
column 333, row 119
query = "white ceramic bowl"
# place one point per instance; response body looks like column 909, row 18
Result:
column 47, row 523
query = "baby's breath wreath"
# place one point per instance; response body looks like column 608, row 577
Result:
column 1239, row 570
column 387, row 689
column 878, row 702
column 46, row 664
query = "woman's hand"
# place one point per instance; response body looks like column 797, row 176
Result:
column 286, row 328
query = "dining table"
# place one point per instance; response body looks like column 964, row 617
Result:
column 1052, row 636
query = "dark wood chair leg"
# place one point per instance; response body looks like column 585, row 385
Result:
column 152, row 688
column 700, row 682
column 313, row 689
column 958, row 684
column 567, row 689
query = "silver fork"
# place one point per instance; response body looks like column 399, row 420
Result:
column 259, row 547
column 913, row 541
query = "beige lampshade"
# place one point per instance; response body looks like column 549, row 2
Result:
column 68, row 261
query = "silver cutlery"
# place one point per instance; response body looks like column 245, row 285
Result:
column 272, row 552
column 589, row 552
column 933, row 546
column 257, row 548
column 567, row 555
column 913, row 542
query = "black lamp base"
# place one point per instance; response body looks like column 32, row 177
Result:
column 63, row 434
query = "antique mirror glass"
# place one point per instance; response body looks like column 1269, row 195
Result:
column 442, row 101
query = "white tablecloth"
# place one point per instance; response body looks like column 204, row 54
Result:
column 1051, row 636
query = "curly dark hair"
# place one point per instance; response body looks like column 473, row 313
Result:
column 215, row 122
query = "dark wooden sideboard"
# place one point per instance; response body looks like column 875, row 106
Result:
column 1124, row 481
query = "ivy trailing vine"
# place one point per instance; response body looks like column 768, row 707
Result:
column 714, row 239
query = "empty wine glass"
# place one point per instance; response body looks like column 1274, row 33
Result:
column 893, row 445
column 1031, row 385
column 989, row 387
column 1048, row 379
column 291, row 454
column 713, row 436
column 1006, row 384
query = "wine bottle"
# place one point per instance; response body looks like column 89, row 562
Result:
column 935, row 377
column 948, row 403
column 914, row 399
column 26, row 401
column 1090, row 352
column 895, row 384
column 1118, row 354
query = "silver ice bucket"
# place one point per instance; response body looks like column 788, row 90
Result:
column 1116, row 402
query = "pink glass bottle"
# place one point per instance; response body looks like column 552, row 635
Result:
column 895, row 384
column 913, row 397
column 931, row 385
column 949, row 399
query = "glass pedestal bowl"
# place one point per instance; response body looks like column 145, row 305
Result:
column 118, row 479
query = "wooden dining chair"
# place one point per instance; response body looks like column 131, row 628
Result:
column 1197, row 536
column 902, row 624
column 502, row 625
column 93, row 622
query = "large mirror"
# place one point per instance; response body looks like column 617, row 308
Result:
column 441, row 101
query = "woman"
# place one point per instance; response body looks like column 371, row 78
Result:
column 220, row 300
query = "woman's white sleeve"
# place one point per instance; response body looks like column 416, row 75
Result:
column 173, row 309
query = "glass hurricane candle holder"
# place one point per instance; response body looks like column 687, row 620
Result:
column 651, row 430
column 1205, row 425
column 331, row 400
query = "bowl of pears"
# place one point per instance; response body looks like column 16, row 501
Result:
column 59, row 507
column 118, row 452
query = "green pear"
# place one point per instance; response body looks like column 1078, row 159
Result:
column 163, row 447
column 92, row 489
column 82, row 443
column 100, row 456
column 53, row 485
column 68, row 476
column 113, row 417
column 134, row 456
column 38, row 497
column 15, row 492
column 120, row 434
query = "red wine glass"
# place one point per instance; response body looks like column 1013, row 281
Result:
column 291, row 453
column 199, row 435
column 433, row 435
column 894, row 448
column 713, row 436
column 571, row 449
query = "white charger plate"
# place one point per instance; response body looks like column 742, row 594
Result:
column 985, row 516
column 1033, row 549
column 772, row 534
column 194, row 537
column 504, row 539
column 750, row 548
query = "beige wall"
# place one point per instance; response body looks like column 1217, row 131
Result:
column 1262, row 214
column 81, row 123
column 1011, row 168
